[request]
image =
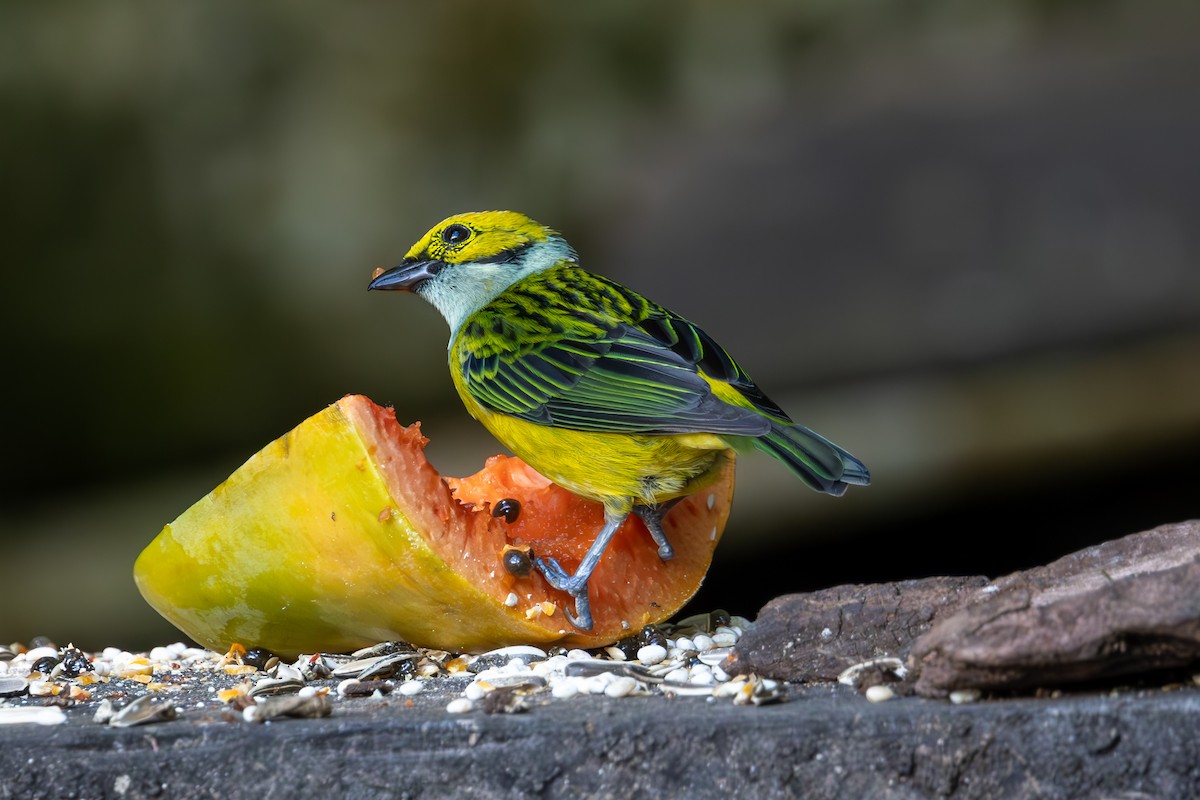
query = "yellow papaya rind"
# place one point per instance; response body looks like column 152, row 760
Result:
column 305, row 549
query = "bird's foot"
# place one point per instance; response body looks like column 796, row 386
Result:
column 577, row 585
column 652, row 516
column 574, row 585
column 558, row 577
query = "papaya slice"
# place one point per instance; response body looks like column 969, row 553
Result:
column 341, row 534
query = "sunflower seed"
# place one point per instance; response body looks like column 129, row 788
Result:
column 316, row 705
column 715, row 656
column 13, row 685
column 353, row 687
column 583, row 669
column 526, row 682
column 142, row 711
column 385, row 649
column 265, row 687
column 384, row 666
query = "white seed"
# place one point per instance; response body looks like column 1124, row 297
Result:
column 517, row 651
column 564, row 689
column 409, row 688
column 615, row 653
column 684, row 643
column 651, row 654
column 703, row 642
column 622, row 686
column 724, row 639
column 596, row 684
column 879, row 693
column 512, row 600
column 677, row 675
column 960, row 696
column 474, row 691
column 160, row 654
column 459, row 705
column 551, row 666
column 42, row 715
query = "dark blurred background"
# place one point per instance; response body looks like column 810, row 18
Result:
column 960, row 239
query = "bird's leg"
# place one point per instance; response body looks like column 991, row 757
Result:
column 576, row 585
column 653, row 517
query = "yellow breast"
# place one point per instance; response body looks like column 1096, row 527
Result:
column 617, row 469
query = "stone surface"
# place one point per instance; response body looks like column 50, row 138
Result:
column 815, row 636
column 1125, row 607
column 1120, row 608
column 825, row 742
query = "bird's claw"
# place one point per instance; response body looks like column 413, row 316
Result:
column 583, row 609
column 577, row 585
column 574, row 585
column 652, row 516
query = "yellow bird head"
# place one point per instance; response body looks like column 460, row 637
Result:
column 465, row 261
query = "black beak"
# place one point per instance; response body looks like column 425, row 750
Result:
column 406, row 277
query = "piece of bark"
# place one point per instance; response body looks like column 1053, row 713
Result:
column 817, row 635
column 1124, row 607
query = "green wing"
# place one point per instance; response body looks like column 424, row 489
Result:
column 569, row 349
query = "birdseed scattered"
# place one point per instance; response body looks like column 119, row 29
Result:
column 121, row 689
column 879, row 693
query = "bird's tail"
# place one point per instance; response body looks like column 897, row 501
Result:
column 817, row 461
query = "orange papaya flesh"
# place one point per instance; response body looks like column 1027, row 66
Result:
column 341, row 534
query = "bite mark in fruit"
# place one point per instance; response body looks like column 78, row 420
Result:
column 340, row 534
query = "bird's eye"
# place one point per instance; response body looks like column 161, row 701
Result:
column 455, row 234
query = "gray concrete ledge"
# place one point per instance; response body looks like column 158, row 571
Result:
column 825, row 742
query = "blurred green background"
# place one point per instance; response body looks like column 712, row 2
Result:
column 960, row 239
